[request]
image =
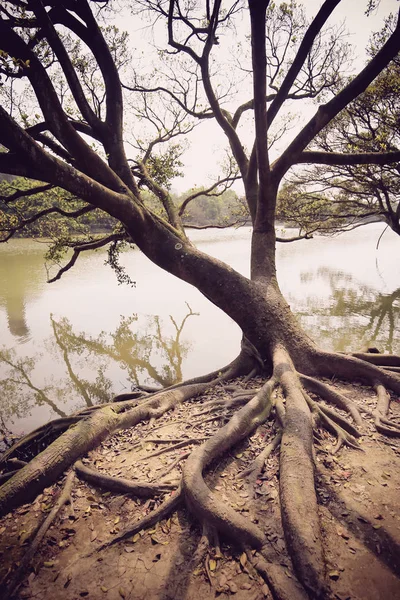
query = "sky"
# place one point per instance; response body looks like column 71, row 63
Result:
column 207, row 142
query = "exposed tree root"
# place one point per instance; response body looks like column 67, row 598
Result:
column 381, row 360
column 283, row 587
column 257, row 466
column 393, row 369
column 6, row 476
column 40, row 435
column 204, row 503
column 352, row 367
column 63, row 498
column 201, row 552
column 172, row 466
column 163, row 511
column 297, row 490
column 330, row 395
column 335, row 424
column 45, row 468
column 119, row 484
column 382, row 423
column 188, row 442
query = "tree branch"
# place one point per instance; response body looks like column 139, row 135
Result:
column 338, row 158
column 207, row 192
column 83, row 248
column 44, row 213
column 24, row 193
column 314, row 29
column 328, row 111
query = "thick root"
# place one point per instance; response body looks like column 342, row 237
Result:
column 45, row 468
column 378, row 359
column 119, row 484
column 204, row 503
column 352, row 367
column 40, row 435
column 382, row 424
column 299, row 508
column 63, row 498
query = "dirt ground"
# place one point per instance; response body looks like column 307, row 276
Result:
column 358, row 494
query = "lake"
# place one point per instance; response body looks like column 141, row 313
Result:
column 82, row 339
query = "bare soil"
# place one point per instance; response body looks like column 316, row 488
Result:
column 358, row 494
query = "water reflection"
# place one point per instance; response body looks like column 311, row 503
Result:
column 94, row 368
column 21, row 269
column 352, row 315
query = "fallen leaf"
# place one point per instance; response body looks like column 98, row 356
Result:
column 243, row 559
column 155, row 540
column 334, row 575
column 212, row 564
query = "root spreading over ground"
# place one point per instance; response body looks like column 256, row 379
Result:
column 243, row 458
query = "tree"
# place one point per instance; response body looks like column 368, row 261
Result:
column 298, row 61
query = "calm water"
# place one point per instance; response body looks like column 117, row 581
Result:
column 80, row 340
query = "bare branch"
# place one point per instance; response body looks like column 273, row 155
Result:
column 228, row 181
column 314, row 29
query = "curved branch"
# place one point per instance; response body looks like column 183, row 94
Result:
column 306, row 236
column 207, row 192
column 199, row 115
column 83, row 248
column 234, row 224
column 44, row 213
column 24, row 193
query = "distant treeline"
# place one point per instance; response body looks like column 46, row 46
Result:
column 224, row 209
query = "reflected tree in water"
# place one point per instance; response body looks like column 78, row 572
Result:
column 147, row 355
column 19, row 283
column 351, row 313
column 18, row 389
